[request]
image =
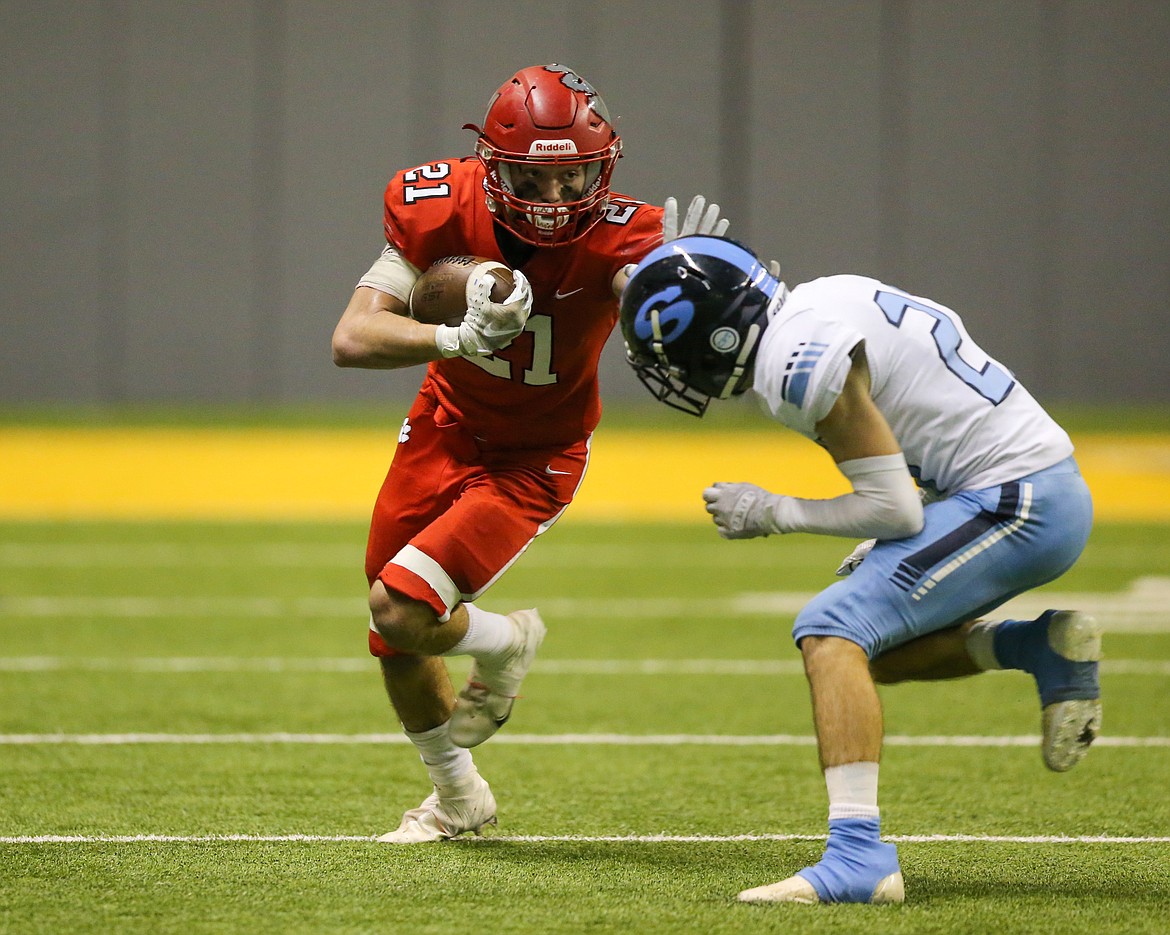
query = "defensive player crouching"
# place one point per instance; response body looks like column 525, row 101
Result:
column 891, row 385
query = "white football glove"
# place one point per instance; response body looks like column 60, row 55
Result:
column 696, row 221
column 855, row 558
column 499, row 322
column 488, row 326
column 742, row 511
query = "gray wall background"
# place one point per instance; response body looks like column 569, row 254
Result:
column 189, row 191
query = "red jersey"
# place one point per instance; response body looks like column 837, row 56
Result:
column 542, row 390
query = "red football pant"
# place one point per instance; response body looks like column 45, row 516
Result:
column 450, row 518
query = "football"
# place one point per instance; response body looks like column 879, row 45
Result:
column 439, row 296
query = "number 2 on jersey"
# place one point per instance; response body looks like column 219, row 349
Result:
column 990, row 381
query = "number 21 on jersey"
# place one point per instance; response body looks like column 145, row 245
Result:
column 540, row 372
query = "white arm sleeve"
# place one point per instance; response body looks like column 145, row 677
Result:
column 884, row 503
column 391, row 273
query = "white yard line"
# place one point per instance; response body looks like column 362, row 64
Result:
column 620, row 740
column 571, row 839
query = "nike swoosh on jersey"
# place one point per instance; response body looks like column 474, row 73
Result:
column 548, row 469
column 565, row 295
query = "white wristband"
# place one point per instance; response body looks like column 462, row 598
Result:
column 884, row 503
column 447, row 340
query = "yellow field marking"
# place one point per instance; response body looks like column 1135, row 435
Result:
column 154, row 473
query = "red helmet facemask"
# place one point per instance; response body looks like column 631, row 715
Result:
column 547, row 116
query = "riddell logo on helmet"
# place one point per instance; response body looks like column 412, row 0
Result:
column 552, row 147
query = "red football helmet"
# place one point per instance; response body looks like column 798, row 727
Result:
column 548, row 117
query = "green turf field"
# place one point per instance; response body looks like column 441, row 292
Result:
column 193, row 740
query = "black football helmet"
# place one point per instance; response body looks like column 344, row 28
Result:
column 692, row 315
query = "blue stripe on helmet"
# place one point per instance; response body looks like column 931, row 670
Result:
column 720, row 248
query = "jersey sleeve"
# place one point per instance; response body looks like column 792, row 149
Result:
column 629, row 231
column 427, row 208
column 801, row 369
column 644, row 231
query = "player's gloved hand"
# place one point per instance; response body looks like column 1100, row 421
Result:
column 742, row 511
column 499, row 322
column 855, row 558
column 461, row 340
column 697, row 221
column 488, row 326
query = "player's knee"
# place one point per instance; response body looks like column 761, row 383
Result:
column 830, row 654
column 395, row 619
column 821, row 620
column 381, row 650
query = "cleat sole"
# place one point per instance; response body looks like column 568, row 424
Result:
column 1069, row 728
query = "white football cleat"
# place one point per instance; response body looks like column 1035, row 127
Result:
column 441, row 817
column 792, row 890
column 796, row 889
column 485, row 702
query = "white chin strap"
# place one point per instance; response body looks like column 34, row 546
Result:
column 657, row 344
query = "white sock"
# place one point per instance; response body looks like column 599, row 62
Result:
column 981, row 644
column 852, row 790
column 446, row 763
column 487, row 635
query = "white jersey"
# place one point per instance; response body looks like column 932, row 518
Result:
column 961, row 418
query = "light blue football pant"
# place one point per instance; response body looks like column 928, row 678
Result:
column 977, row 549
